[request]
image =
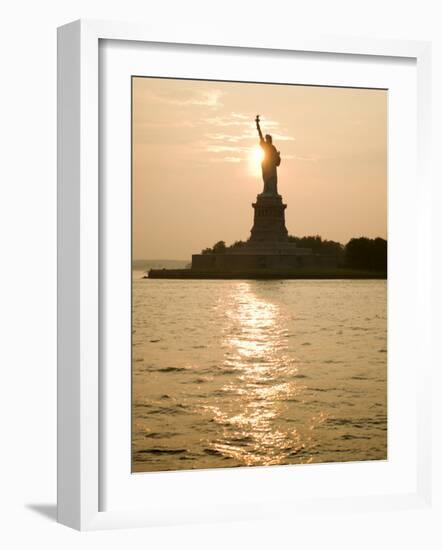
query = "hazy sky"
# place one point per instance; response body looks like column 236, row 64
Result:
column 196, row 169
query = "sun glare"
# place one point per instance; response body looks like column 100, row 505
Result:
column 255, row 158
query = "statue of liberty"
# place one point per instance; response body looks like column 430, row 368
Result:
column 271, row 160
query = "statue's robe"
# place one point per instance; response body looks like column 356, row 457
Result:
column 269, row 163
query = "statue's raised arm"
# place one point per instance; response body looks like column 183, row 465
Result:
column 271, row 159
column 258, row 127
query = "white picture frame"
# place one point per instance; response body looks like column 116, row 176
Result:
column 80, row 266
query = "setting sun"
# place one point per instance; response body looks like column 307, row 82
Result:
column 256, row 156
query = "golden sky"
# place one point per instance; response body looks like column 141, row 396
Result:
column 196, row 164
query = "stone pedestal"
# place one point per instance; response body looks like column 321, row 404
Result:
column 269, row 220
column 268, row 251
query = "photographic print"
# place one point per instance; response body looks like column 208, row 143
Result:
column 259, row 274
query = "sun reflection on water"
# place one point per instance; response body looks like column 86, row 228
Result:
column 255, row 340
column 236, row 373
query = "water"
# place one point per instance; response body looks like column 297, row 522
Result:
column 244, row 373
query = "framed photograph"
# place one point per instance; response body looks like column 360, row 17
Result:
column 240, row 226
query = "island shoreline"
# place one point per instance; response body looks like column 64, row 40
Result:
column 332, row 274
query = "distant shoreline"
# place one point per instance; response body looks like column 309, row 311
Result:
column 145, row 265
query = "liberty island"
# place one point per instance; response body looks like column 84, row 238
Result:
column 269, row 252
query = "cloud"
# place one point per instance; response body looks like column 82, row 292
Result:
column 237, row 134
column 241, row 116
column 223, row 121
column 209, row 99
column 234, row 160
column 246, row 123
column 231, row 119
column 305, row 158
column 214, row 131
column 206, row 98
column 223, row 137
column 224, row 148
column 282, row 137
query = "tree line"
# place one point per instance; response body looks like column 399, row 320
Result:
column 358, row 253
